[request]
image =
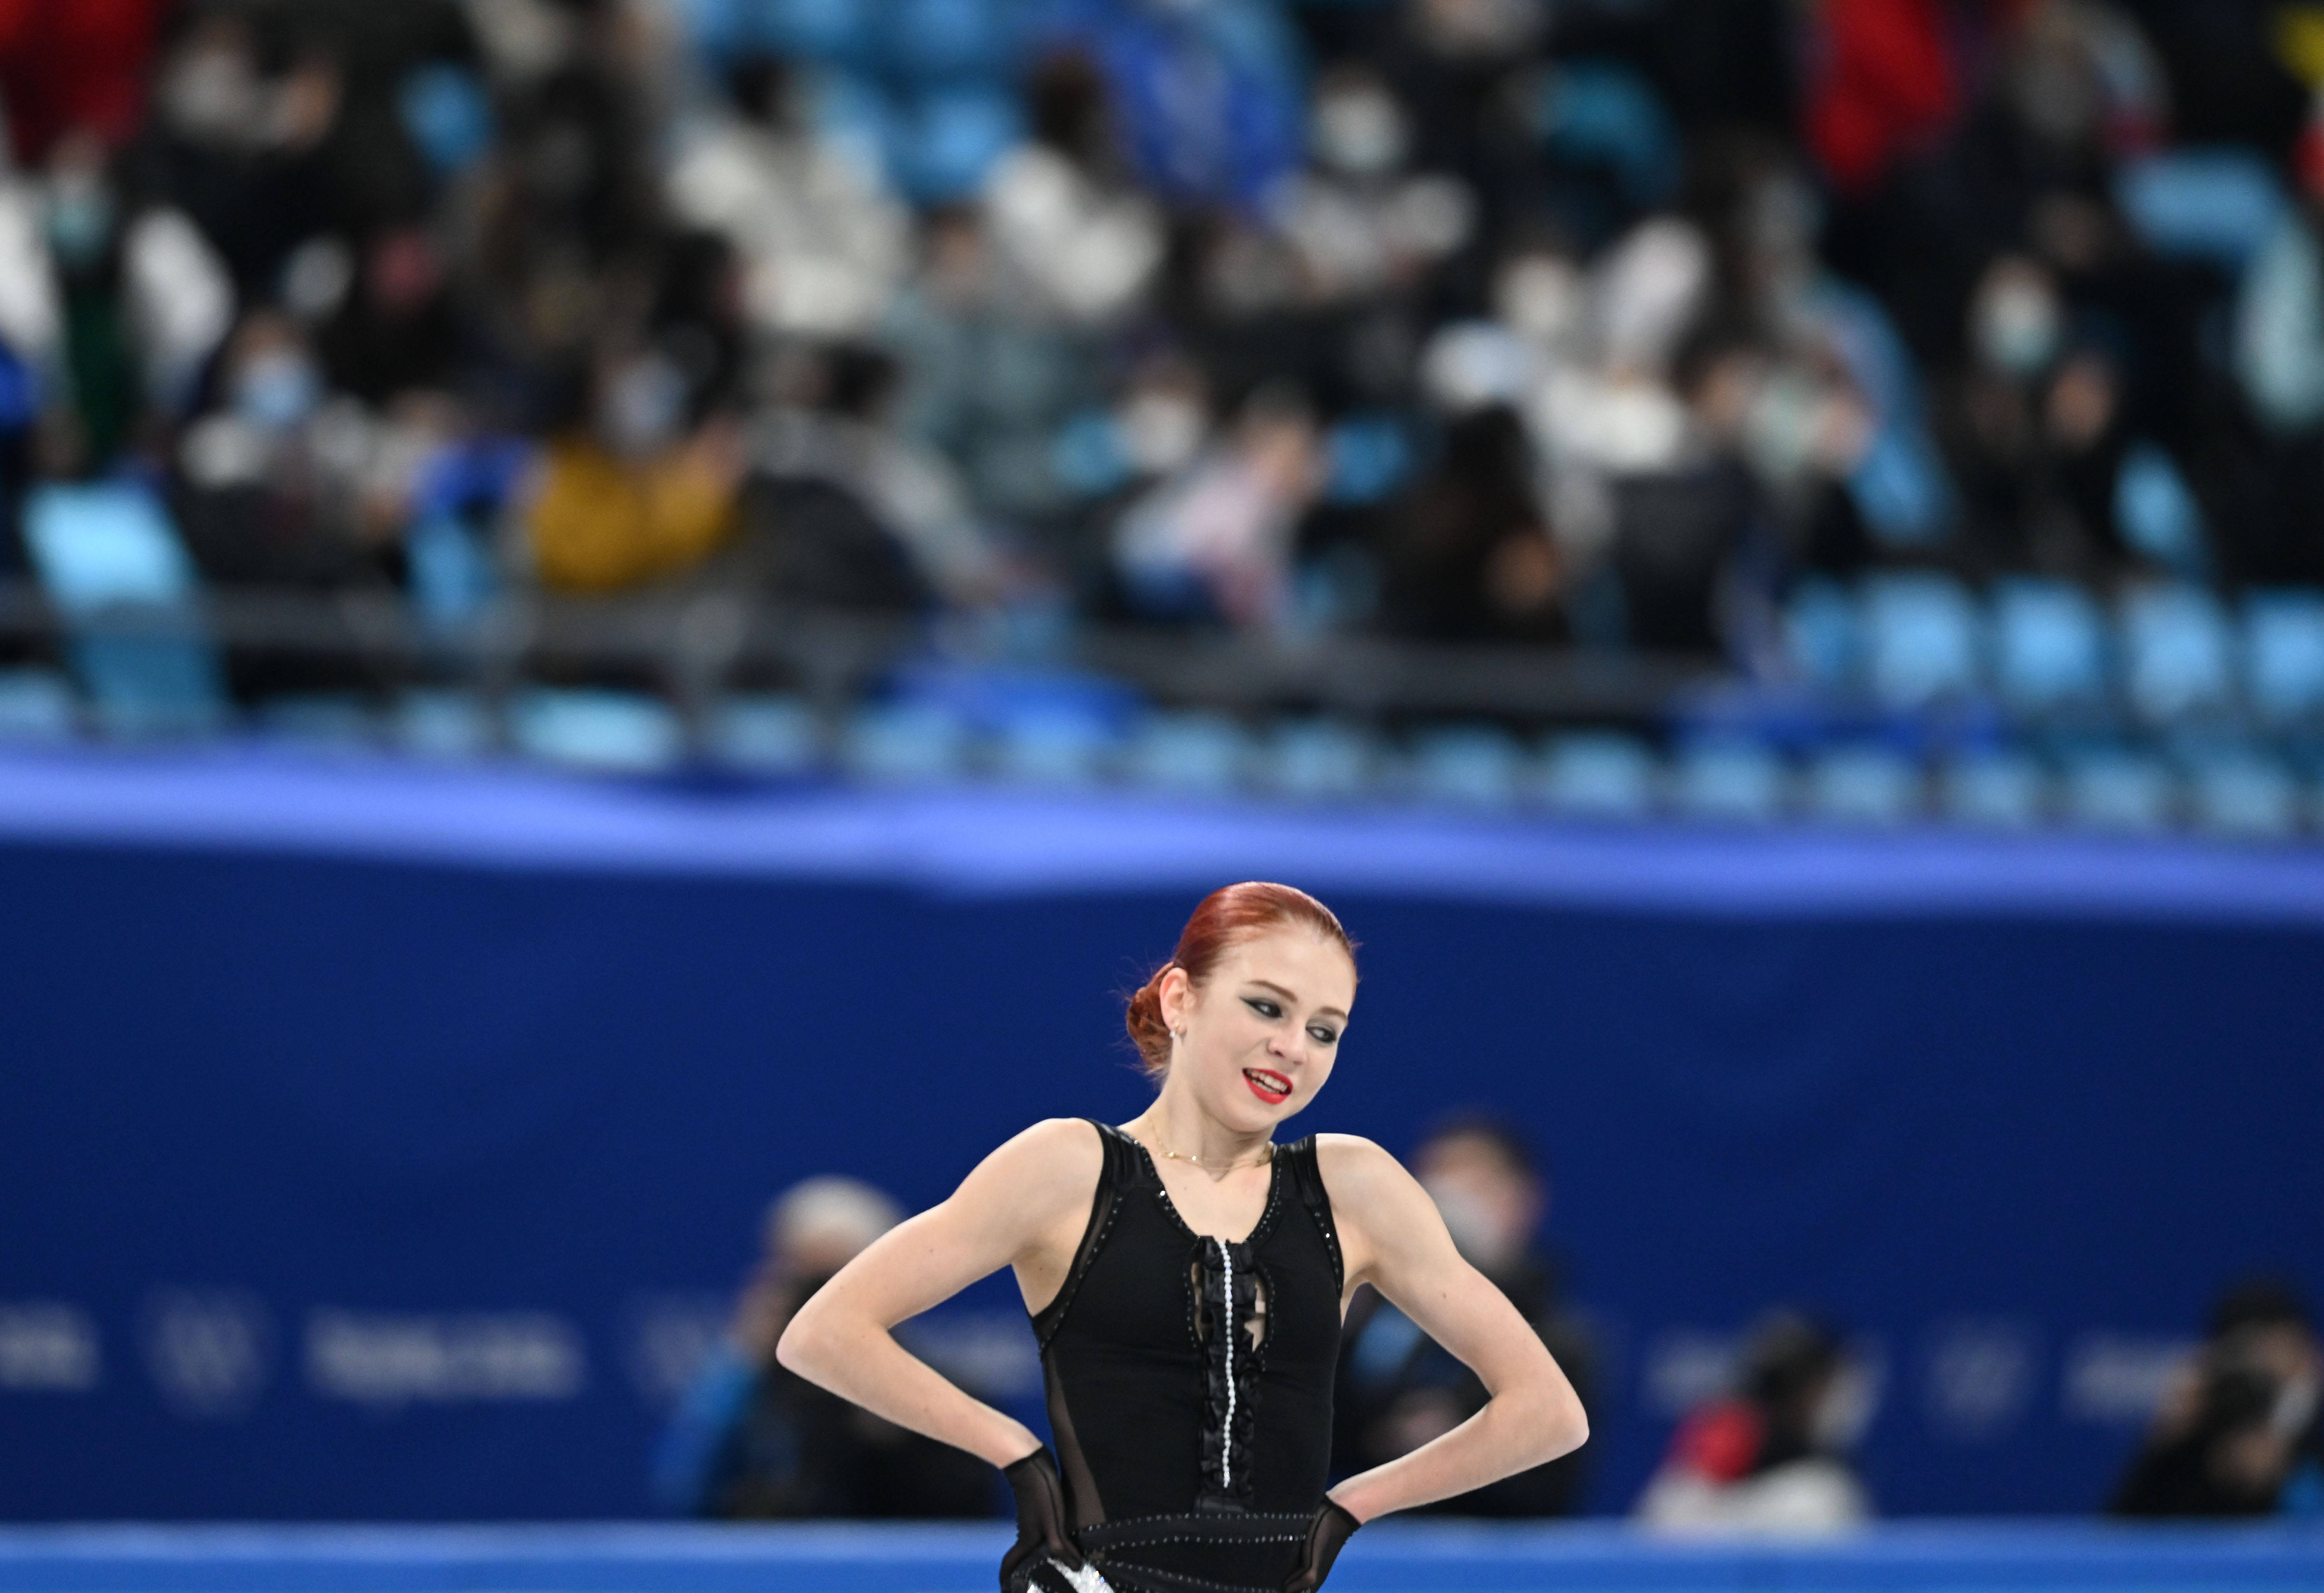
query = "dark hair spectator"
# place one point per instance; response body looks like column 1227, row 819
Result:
column 2240, row 1432
column 752, row 1440
column 1771, row 1455
column 1396, row 1388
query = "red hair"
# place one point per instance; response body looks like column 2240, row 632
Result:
column 1227, row 918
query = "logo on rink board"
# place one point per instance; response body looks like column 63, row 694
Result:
column 389, row 1359
column 46, row 1347
column 210, row 1352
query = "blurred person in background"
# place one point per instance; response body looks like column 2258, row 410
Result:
column 643, row 490
column 752, row 1440
column 844, row 507
column 68, row 65
column 2240, row 1434
column 1396, row 1388
column 821, row 244
column 1213, row 543
column 1772, row 1457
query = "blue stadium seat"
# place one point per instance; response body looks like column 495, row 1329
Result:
column 2284, row 656
column 2244, row 795
column 1599, row 775
column 1731, row 782
column 442, row 724
column 1206, row 754
column 854, row 115
column 765, row 734
column 109, row 546
column 951, row 139
column 1923, row 639
column 1863, row 785
column 1994, row 790
column 1470, row 766
column 452, row 574
column 2218, row 204
column 905, row 743
column 36, row 706
column 1317, row 760
column 817, row 30
column 1823, row 635
column 602, row 731
column 1054, row 747
column 2178, row 654
column 2050, row 655
column 948, row 40
column 2125, row 792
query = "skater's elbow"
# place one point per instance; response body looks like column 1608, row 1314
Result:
column 1557, row 1422
column 809, row 1344
column 1570, row 1430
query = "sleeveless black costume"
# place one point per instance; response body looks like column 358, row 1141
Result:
column 1193, row 1457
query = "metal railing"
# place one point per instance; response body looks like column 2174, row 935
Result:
column 695, row 647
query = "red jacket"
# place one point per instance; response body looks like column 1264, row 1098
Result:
column 1882, row 82
column 66, row 64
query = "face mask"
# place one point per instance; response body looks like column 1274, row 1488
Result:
column 80, row 222
column 1539, row 298
column 2017, row 328
column 211, row 96
column 644, row 406
column 1477, row 1233
column 1360, row 132
column 1160, row 431
column 278, row 390
column 1845, row 1411
column 2295, row 1407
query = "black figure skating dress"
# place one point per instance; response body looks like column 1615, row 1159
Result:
column 1189, row 1381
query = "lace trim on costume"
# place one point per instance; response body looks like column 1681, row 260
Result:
column 1229, row 1300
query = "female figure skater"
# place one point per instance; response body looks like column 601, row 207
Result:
column 1187, row 1278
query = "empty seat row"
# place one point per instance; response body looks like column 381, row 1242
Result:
column 2223, row 788
column 2168, row 653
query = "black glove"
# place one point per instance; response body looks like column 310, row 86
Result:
column 1327, row 1535
column 1041, row 1534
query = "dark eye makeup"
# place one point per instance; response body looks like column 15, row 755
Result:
column 1319, row 1033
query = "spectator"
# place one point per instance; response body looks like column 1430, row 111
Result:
column 75, row 65
column 1209, row 94
column 270, row 478
column 1475, row 557
column 1771, row 1457
column 823, row 245
column 1564, row 327
column 1397, row 1389
column 1215, row 542
column 752, row 1441
column 2240, row 1434
column 639, row 494
column 851, row 512
column 1080, row 242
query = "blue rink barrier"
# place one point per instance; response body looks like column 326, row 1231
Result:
column 913, row 1558
column 385, row 1141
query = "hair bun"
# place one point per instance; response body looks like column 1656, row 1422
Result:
column 1146, row 1027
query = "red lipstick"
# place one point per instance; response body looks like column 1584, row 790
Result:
column 1268, row 1085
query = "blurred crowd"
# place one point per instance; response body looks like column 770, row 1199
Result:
column 1599, row 322
column 2239, row 1432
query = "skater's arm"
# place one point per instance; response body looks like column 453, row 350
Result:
column 1016, row 1208
column 1394, row 1239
